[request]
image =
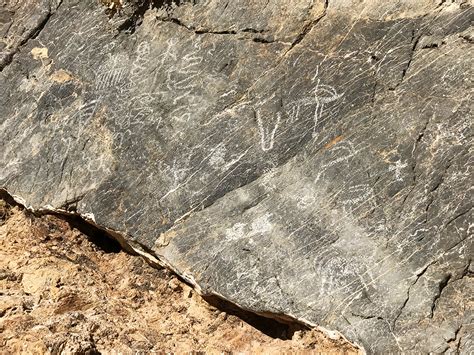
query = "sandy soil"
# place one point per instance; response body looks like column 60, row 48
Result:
column 62, row 291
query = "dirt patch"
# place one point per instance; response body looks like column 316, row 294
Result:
column 61, row 292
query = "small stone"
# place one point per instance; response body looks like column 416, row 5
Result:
column 174, row 284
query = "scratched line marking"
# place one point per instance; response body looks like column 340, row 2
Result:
column 267, row 134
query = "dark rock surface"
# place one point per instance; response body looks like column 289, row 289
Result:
column 309, row 159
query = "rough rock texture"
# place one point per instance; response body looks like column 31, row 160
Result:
column 309, row 159
column 62, row 294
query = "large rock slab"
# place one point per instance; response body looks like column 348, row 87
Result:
column 308, row 160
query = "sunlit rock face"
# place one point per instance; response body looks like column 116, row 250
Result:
column 305, row 159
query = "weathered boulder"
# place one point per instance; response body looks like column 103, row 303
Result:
column 306, row 159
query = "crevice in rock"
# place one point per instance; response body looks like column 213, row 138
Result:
column 275, row 325
column 252, row 30
column 414, row 41
column 448, row 279
column 130, row 25
column 193, row 29
column 413, row 167
column 95, row 235
column 141, row 7
column 262, row 40
column 71, row 204
column 39, row 28
column 456, row 340
column 308, row 27
column 457, row 244
column 203, row 31
column 467, row 38
column 433, row 45
column 460, row 214
column 229, row 32
column 441, row 286
column 277, row 328
column 418, row 276
column 5, row 196
column 361, row 316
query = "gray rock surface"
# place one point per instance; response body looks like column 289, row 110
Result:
column 307, row 159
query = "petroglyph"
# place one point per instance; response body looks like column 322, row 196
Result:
column 323, row 94
column 397, row 168
column 267, row 130
column 142, row 60
column 109, row 78
column 334, row 269
column 313, row 164
column 319, row 96
column 261, row 225
column 84, row 115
